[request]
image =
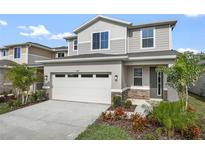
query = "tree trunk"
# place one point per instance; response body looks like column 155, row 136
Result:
column 187, row 97
column 26, row 97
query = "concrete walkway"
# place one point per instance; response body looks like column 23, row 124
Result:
column 49, row 120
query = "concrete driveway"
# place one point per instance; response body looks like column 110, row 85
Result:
column 49, row 120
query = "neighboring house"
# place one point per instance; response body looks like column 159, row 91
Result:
column 24, row 53
column 199, row 87
column 108, row 57
column 4, row 84
column 60, row 52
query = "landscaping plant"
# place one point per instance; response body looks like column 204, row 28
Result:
column 128, row 104
column 116, row 101
column 173, row 117
column 138, row 122
column 184, row 73
column 22, row 77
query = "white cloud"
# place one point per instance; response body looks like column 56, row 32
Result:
column 34, row 31
column 60, row 36
column 23, row 27
column 39, row 31
column 194, row 15
column 188, row 49
column 3, row 23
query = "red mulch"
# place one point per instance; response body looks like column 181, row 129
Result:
column 131, row 109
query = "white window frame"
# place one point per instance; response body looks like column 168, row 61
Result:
column 20, row 52
column 160, row 84
column 74, row 44
column 154, row 38
column 100, row 41
column 137, row 76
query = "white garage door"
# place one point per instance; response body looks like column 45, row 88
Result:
column 94, row 88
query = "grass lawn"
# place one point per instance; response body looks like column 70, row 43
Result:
column 103, row 132
column 4, row 108
column 199, row 104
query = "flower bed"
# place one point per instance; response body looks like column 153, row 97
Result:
column 9, row 102
column 166, row 121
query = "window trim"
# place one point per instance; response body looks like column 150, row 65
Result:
column 74, row 44
column 138, row 76
column 14, row 52
column 91, row 47
column 154, row 38
column 161, row 84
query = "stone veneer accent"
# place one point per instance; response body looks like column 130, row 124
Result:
column 133, row 93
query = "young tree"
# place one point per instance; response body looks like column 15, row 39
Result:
column 22, row 77
column 184, row 73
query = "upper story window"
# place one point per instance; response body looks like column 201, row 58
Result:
column 137, row 76
column 17, row 52
column 100, row 40
column 4, row 53
column 147, row 38
column 60, row 54
column 75, row 44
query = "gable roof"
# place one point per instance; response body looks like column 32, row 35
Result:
column 6, row 63
column 83, row 26
column 172, row 23
column 31, row 44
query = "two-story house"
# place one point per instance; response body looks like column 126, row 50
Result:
column 108, row 57
column 26, row 53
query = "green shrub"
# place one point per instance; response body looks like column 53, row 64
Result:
column 14, row 103
column 128, row 104
column 173, row 116
column 116, row 101
column 149, row 137
column 158, row 132
column 38, row 95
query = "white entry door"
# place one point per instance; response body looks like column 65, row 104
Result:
column 84, row 87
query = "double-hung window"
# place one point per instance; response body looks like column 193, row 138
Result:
column 17, row 52
column 147, row 38
column 75, row 45
column 100, row 40
column 137, row 76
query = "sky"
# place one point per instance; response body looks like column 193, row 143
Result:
column 189, row 33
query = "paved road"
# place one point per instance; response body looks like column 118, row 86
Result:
column 49, row 120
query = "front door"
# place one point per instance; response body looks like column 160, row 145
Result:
column 156, row 83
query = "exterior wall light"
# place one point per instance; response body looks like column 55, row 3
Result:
column 46, row 82
column 116, row 77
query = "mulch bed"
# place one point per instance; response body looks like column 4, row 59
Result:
column 131, row 109
column 139, row 135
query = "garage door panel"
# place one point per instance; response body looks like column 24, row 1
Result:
column 96, row 90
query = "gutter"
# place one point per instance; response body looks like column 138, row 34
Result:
column 81, row 59
column 153, row 57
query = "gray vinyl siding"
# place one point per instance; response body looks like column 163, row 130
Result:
column 71, row 52
column 116, row 47
column 117, row 38
column 33, row 58
column 162, row 39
